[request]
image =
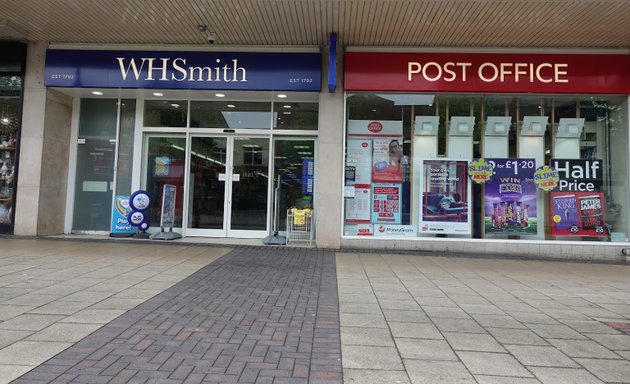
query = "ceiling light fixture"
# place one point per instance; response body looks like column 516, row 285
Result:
column 220, row 95
column 282, row 96
column 97, row 93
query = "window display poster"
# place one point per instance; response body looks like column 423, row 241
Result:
column 387, row 160
column 577, row 214
column 510, row 198
column 444, row 204
column 359, row 156
column 386, row 203
column 579, row 175
column 358, row 209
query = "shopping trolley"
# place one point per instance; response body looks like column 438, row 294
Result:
column 300, row 225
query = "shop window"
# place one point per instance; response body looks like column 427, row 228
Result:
column 165, row 113
column 230, row 114
column 296, row 116
column 408, row 156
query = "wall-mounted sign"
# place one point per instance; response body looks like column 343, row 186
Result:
column 486, row 72
column 273, row 71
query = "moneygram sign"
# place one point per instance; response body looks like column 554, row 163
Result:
column 488, row 73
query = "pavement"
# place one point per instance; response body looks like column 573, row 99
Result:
column 144, row 312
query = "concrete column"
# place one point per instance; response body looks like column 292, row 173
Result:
column 329, row 184
column 31, row 142
column 44, row 147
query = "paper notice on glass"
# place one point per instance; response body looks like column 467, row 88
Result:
column 358, row 209
column 359, row 155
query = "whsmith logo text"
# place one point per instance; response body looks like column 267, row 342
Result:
column 167, row 69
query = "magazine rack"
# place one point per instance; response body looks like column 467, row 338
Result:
column 299, row 225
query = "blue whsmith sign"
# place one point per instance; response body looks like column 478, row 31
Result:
column 271, row 71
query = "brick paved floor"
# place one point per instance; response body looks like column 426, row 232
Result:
column 257, row 315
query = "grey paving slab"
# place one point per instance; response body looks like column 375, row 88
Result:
column 30, row 322
column 614, row 342
column 516, row 336
column 8, row 372
column 473, row 342
column 432, row 372
column 415, row 330
column 590, row 326
column 484, row 379
column 564, row 376
column 493, row 364
column 366, row 336
column 617, row 371
column 405, row 316
column 424, row 349
column 369, row 357
column 540, row 356
column 459, row 325
column 554, row 331
column 30, row 352
column 363, row 320
column 10, row 311
column 8, row 337
column 64, row 332
column 374, row 376
column 498, row 321
column 583, row 348
column 446, row 312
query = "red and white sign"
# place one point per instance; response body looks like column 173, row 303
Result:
column 487, row 72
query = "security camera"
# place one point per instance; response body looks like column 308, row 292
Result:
column 211, row 38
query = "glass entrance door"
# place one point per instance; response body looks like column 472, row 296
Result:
column 228, row 187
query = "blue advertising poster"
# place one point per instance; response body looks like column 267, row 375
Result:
column 120, row 210
column 308, row 172
column 510, row 198
column 271, row 71
column 386, row 203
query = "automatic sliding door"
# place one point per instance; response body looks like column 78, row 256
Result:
column 250, row 184
column 207, row 182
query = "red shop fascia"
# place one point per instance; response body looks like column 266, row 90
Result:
column 487, row 72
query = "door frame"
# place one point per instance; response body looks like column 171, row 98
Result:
column 226, row 231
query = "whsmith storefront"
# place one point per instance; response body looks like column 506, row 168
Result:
column 489, row 152
column 215, row 128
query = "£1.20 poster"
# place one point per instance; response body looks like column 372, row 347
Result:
column 510, row 198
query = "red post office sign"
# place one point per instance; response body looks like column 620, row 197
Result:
column 487, row 73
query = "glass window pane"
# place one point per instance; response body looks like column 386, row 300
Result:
column 207, row 189
column 125, row 146
column 10, row 88
column 249, row 191
column 297, row 116
column 165, row 113
column 165, row 165
column 294, row 163
column 230, row 115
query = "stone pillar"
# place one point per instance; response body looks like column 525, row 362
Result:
column 330, row 159
column 44, row 147
column 31, row 142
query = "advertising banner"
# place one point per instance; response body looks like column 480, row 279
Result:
column 487, row 72
column 510, row 198
column 577, row 214
column 273, row 71
column 387, row 160
column 386, row 203
column 120, row 211
column 167, row 217
column 445, row 195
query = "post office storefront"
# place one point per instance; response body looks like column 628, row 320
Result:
column 497, row 152
column 218, row 126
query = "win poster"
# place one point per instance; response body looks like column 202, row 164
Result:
column 444, row 206
column 510, row 198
